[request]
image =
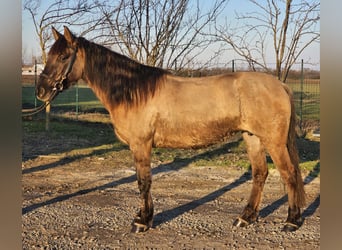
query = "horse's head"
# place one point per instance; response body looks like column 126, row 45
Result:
column 63, row 67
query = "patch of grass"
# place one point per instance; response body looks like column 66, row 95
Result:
column 313, row 167
column 224, row 154
column 70, row 129
column 224, row 162
column 30, row 127
column 73, row 134
column 168, row 155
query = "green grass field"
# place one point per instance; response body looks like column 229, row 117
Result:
column 87, row 101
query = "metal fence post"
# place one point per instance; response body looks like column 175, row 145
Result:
column 47, row 117
column 301, row 94
column 35, row 82
column 77, row 101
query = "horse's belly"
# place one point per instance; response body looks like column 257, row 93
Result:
column 194, row 135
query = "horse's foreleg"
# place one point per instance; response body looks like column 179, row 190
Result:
column 257, row 158
column 144, row 218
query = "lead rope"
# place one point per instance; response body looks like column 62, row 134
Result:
column 55, row 90
column 29, row 112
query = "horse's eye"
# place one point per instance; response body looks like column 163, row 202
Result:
column 63, row 57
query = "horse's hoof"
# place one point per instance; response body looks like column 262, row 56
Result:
column 239, row 222
column 139, row 228
column 290, row 227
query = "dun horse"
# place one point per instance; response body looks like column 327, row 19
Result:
column 150, row 107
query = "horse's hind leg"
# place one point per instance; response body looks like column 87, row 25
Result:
column 291, row 176
column 142, row 161
column 257, row 158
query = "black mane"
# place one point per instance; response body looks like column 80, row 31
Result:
column 122, row 79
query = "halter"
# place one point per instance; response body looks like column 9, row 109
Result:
column 57, row 88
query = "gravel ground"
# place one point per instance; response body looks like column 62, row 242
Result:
column 87, row 203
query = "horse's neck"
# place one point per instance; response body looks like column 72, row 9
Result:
column 96, row 86
column 134, row 83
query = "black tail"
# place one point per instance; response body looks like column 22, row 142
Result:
column 293, row 151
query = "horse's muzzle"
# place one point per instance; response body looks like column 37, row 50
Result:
column 41, row 93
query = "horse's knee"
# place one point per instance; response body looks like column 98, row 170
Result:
column 260, row 176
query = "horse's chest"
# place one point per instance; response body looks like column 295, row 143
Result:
column 121, row 136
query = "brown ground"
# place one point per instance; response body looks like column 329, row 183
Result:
column 87, row 199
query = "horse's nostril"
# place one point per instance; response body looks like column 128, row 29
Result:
column 40, row 92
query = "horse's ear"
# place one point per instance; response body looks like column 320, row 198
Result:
column 69, row 36
column 55, row 33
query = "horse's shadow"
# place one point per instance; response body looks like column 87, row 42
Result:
column 269, row 209
column 70, row 159
column 175, row 165
column 177, row 211
column 170, row 214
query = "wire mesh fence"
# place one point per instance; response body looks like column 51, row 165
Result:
column 307, row 101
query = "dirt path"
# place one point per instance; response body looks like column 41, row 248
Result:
column 86, row 202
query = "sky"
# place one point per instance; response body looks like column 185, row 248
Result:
column 30, row 44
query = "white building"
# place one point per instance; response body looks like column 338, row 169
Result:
column 29, row 69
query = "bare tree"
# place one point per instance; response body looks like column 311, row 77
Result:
column 58, row 12
column 159, row 33
column 291, row 26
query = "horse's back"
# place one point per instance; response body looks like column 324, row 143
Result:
column 241, row 94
